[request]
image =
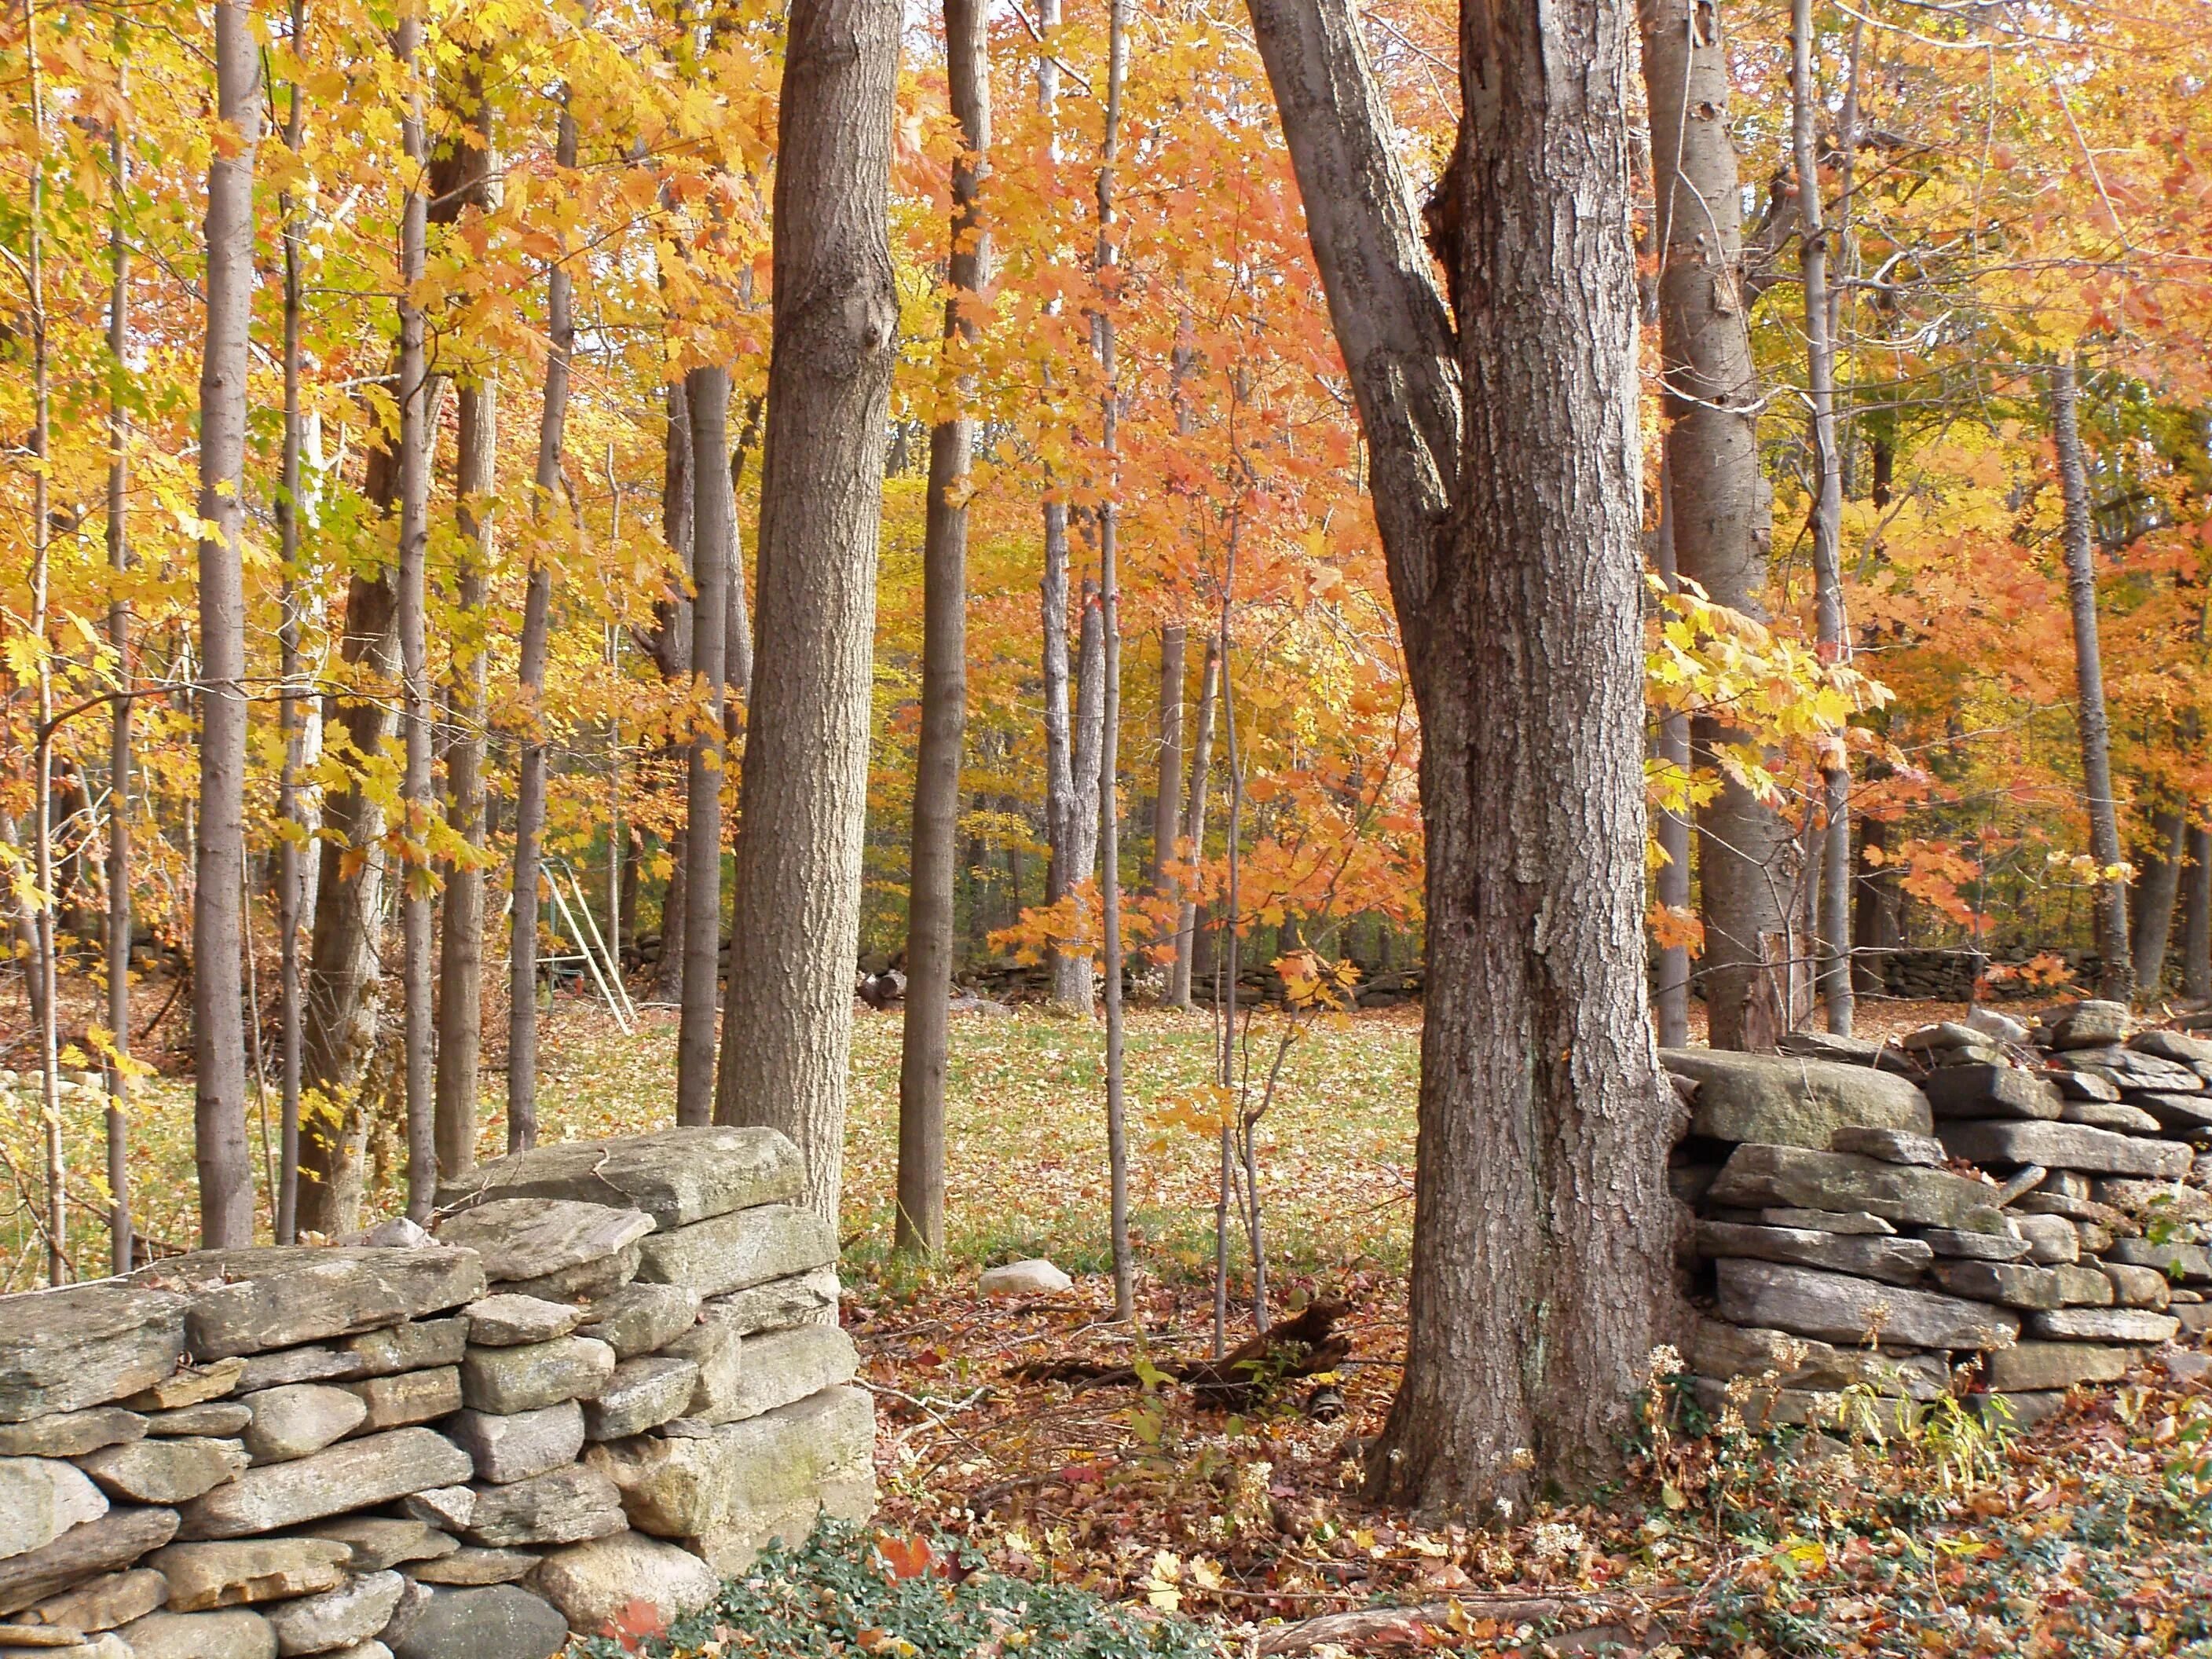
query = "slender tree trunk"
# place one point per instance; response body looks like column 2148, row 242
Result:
column 459, row 181
column 537, row 608
column 2115, row 973
column 1832, row 632
column 1542, row 1225
column 1718, row 501
column 1167, row 798
column 671, row 655
column 804, row 783
column 706, row 397
column 413, row 618
column 1194, row 822
column 2197, row 913
column 119, row 920
column 2156, row 888
column 930, row 899
column 1873, row 921
column 290, row 713
column 1109, row 628
column 1076, row 860
column 219, row 875
column 1671, row 1000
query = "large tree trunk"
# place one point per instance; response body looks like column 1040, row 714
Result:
column 1542, row 1223
column 219, row 876
column 2116, row 972
column 804, row 790
column 2155, row 890
column 459, row 181
column 291, row 888
column 706, row 397
column 120, row 712
column 930, row 893
column 413, row 623
column 671, row 655
column 1194, row 821
column 1718, row 502
column 536, row 623
column 2197, row 914
column 1874, row 917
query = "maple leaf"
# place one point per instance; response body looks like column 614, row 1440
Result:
column 638, row 1622
column 906, row 1557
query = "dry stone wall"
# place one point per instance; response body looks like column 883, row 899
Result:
column 614, row 1373
column 2029, row 1202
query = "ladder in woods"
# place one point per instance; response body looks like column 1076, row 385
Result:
column 591, row 949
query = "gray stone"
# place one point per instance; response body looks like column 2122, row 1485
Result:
column 1759, row 1176
column 218, row 1419
column 592, row 1583
column 409, row 1397
column 2165, row 1109
column 716, row 1346
column 371, row 1649
column 2167, row 1200
column 2195, row 1318
column 103, row 1603
column 637, row 1319
column 450, row 1507
column 354, row 1474
column 1890, row 1146
column 189, row 1385
column 1895, row 1260
column 476, row 1566
column 532, row 1238
column 2139, row 1287
column 2104, row 1325
column 2084, row 1085
column 316, row 1363
column 34, row 1642
column 1787, row 1100
column 498, row 1621
column 352, row 1612
column 1850, row 1051
column 516, row 1445
column 84, row 1344
column 2052, row 1240
column 562, row 1506
column 300, row 1419
column 641, row 1394
column 1722, row 1351
column 582, row 1283
column 2001, row 1027
column 2081, row 1211
column 2171, row 1045
column 2019, row 1412
column 2184, row 1261
column 747, row 1247
column 424, row 1345
column 2087, row 1023
column 71, row 1434
column 508, row 1321
column 377, row 1542
column 730, row 1490
column 1975, row 1247
column 540, row 1374
column 117, row 1540
column 2012, row 1284
column 236, row 1633
column 2119, row 1118
column 249, row 1301
column 1856, row 1222
column 1762, row 1409
column 1034, row 1277
column 807, row 1299
column 41, row 1499
column 677, row 1176
column 166, row 1471
column 1837, row 1309
column 2132, row 1069
column 2083, row 1287
column 1989, row 1091
column 2065, row 1145
column 1944, row 1034
column 204, row 1577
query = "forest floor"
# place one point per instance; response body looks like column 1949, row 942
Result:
column 2087, row 1535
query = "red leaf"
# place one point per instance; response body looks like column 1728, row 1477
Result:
column 638, row 1622
column 906, row 1557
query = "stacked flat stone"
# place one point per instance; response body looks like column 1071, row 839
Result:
column 615, row 1373
column 1874, row 1217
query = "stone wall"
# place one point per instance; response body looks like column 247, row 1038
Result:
column 615, row 1373
column 2030, row 1204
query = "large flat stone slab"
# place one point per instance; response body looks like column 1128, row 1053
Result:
column 246, row 1302
column 2066, row 1146
column 807, row 1299
column 41, row 1499
column 204, row 1577
column 116, row 1541
column 1758, row 1177
column 1781, row 1100
column 1893, row 1260
column 300, row 1419
column 677, row 1176
column 2105, row 1325
column 1999, row 1091
column 562, row 1506
column 514, row 1445
column 103, row 1603
column 1722, row 1351
column 353, row 1611
column 638, row 1319
column 71, row 1434
column 532, row 1238
column 83, row 1346
column 499, row 1621
column 535, row 1375
column 742, row 1249
column 170, row 1470
column 592, row 1583
column 1837, row 1309
column 354, row 1474
column 233, row 1633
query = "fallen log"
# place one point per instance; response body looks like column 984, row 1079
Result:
column 1305, row 1345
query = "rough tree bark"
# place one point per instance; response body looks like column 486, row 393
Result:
column 2157, row 887
column 1193, row 819
column 921, row 1222
column 1504, row 478
column 2197, row 914
column 804, row 790
column 461, row 179
column 290, row 715
column 120, row 922
column 1718, row 502
column 671, row 656
column 1167, row 797
column 219, row 875
column 2116, row 970
column 536, row 623
column 707, row 400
